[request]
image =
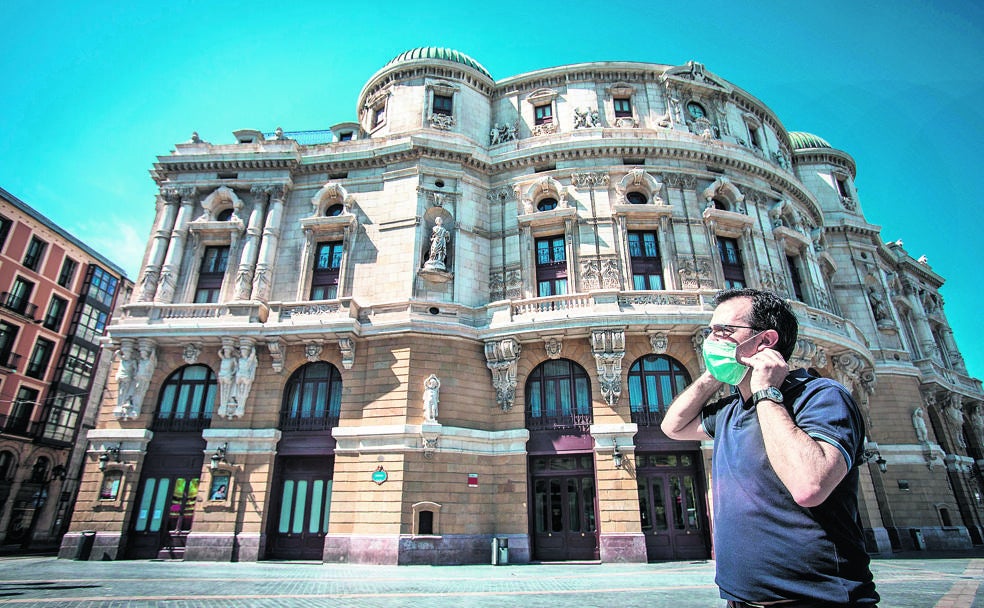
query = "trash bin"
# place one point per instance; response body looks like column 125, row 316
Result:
column 500, row 551
column 85, row 545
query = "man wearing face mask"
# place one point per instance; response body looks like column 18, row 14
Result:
column 787, row 448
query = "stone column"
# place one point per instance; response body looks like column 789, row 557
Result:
column 263, row 279
column 175, row 251
column 951, row 348
column 251, row 247
column 158, row 248
column 920, row 323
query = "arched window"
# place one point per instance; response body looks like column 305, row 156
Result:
column 636, row 198
column 312, row 398
column 224, row 216
column 187, row 399
column 654, row 381
column 558, row 395
column 7, row 464
column 334, row 210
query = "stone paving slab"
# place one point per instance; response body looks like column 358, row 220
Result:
column 906, row 582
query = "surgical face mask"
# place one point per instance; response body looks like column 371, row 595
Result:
column 719, row 357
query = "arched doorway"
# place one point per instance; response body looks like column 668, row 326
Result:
column 563, row 501
column 672, row 509
column 168, row 490
column 304, row 469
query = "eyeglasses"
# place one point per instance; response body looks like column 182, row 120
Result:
column 724, row 331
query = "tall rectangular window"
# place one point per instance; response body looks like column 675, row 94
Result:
column 8, row 335
column 19, row 297
column 37, row 365
column 327, row 264
column 842, row 186
column 623, row 107
column 647, row 266
column 734, row 272
column 796, row 278
column 56, row 312
column 67, row 272
column 443, row 104
column 34, row 253
column 543, row 115
column 551, row 267
column 5, row 226
column 378, row 115
column 210, row 276
column 23, row 407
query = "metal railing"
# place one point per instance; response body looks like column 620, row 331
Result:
column 18, row 304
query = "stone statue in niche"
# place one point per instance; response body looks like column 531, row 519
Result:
column 877, row 303
column 919, row 424
column 432, row 390
column 438, row 246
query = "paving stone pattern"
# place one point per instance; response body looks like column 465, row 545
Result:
column 911, row 581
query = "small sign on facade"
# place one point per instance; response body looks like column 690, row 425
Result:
column 379, row 475
column 473, row 480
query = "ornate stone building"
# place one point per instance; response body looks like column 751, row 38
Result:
column 462, row 318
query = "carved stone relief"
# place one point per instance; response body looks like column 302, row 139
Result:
column 608, row 348
column 501, row 357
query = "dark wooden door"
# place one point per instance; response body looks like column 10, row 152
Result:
column 671, row 507
column 564, row 526
column 301, row 507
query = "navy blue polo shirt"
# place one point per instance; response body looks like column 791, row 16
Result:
column 766, row 546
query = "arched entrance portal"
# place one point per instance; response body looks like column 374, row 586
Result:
column 563, row 496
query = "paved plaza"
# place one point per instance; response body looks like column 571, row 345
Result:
column 919, row 580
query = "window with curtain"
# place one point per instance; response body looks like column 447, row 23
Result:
column 558, row 395
column 654, row 381
column 312, row 398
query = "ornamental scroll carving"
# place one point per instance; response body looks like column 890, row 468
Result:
column 608, row 348
column 347, row 347
column 807, row 354
column 502, row 357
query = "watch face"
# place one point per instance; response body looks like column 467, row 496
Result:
column 774, row 394
column 696, row 110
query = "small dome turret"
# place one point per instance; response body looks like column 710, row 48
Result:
column 445, row 54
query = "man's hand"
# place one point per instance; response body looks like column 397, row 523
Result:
column 768, row 369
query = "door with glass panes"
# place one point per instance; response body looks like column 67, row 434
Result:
column 302, row 503
column 671, row 507
column 164, row 517
column 563, row 508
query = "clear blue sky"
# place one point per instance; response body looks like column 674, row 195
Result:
column 93, row 92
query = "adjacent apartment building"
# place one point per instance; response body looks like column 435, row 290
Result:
column 458, row 321
column 57, row 296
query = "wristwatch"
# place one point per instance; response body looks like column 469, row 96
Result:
column 771, row 393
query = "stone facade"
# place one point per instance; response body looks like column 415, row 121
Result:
column 498, row 286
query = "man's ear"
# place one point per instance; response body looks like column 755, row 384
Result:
column 770, row 338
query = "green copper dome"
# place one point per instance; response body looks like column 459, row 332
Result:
column 433, row 52
column 801, row 140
